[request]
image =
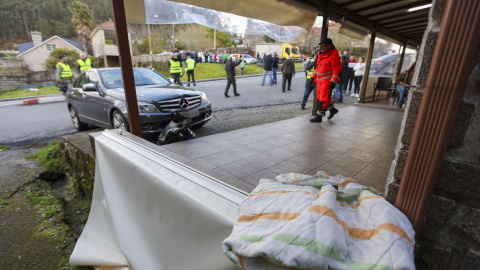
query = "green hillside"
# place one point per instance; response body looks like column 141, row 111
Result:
column 51, row 17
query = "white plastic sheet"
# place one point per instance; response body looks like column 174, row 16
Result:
column 278, row 20
column 151, row 212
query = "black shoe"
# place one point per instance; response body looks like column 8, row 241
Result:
column 332, row 113
column 188, row 85
column 194, row 84
column 271, row 84
column 283, row 90
column 227, row 95
column 317, row 118
column 236, row 94
column 400, row 106
column 303, row 107
column 262, row 84
column 289, row 89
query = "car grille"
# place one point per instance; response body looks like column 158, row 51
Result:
column 174, row 104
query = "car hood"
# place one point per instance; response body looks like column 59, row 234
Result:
column 155, row 93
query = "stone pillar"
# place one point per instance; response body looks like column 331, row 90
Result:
column 450, row 237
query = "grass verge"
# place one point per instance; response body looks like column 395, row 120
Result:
column 4, row 148
column 17, row 93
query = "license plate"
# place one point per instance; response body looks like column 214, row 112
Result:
column 191, row 114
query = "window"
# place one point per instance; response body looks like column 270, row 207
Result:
column 51, row 47
column 92, row 77
column 80, row 81
column 287, row 50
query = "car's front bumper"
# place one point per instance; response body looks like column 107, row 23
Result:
column 154, row 123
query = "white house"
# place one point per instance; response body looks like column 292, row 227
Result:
column 36, row 52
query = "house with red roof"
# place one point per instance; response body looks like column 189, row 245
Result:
column 105, row 43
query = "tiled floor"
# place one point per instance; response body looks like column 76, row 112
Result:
column 358, row 142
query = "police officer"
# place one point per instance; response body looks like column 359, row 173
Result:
column 84, row 63
column 190, row 67
column 64, row 74
column 175, row 68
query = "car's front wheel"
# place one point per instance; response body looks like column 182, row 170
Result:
column 119, row 121
column 79, row 125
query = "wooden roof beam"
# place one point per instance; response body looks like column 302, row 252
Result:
column 406, row 7
column 403, row 23
column 376, row 5
column 411, row 15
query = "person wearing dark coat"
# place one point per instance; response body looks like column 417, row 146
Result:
column 267, row 68
column 288, row 71
column 230, row 69
column 343, row 79
column 275, row 67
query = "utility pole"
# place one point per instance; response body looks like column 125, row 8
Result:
column 173, row 38
column 215, row 38
column 149, row 38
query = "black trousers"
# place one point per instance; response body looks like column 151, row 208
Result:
column 358, row 80
column 286, row 77
column 190, row 73
column 176, row 78
column 350, row 79
column 231, row 81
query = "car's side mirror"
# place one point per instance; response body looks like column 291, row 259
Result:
column 90, row 87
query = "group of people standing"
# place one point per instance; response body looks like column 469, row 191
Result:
column 352, row 75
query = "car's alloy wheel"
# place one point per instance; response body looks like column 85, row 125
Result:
column 76, row 122
column 119, row 121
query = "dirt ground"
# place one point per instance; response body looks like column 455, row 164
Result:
column 22, row 247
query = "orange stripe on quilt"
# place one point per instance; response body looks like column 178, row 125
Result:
column 282, row 216
column 359, row 233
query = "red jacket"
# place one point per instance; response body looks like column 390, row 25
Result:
column 329, row 67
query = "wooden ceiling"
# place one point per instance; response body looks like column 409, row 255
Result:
column 390, row 16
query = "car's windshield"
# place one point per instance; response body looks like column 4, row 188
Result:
column 247, row 56
column 113, row 78
column 295, row 50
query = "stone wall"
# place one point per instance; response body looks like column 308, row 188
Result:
column 78, row 153
column 12, row 82
column 450, row 237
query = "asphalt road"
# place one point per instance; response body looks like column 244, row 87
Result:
column 30, row 124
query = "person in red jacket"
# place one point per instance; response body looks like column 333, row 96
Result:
column 326, row 75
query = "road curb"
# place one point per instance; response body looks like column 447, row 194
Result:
column 43, row 100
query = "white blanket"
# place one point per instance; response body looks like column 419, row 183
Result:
column 319, row 222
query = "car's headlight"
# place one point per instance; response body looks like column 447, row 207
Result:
column 204, row 98
column 144, row 107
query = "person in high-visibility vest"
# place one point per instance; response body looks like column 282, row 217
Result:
column 190, row 67
column 175, row 68
column 309, row 84
column 84, row 63
column 326, row 75
column 64, row 74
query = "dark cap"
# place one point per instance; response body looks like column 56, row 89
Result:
column 326, row 41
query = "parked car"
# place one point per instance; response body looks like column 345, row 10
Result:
column 248, row 58
column 97, row 97
column 385, row 65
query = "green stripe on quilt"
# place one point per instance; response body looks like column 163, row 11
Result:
column 312, row 246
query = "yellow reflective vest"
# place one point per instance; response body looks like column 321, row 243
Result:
column 175, row 67
column 190, row 64
column 66, row 71
column 310, row 71
column 84, row 65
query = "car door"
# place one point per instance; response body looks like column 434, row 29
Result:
column 96, row 104
column 76, row 97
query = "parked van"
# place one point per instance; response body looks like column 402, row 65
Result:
column 283, row 50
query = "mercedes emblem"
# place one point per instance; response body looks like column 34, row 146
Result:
column 183, row 103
